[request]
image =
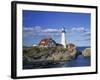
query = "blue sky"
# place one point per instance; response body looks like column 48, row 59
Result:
column 45, row 24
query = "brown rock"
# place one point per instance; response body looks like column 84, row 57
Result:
column 86, row 52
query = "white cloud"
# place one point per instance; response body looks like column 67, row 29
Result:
column 37, row 30
column 83, row 39
column 28, row 29
column 79, row 29
column 51, row 30
column 88, row 33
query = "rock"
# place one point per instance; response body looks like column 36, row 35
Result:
column 73, row 53
column 70, row 47
column 49, row 54
column 86, row 52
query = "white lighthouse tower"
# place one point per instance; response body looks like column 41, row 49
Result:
column 63, row 37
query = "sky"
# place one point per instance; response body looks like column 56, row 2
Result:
column 38, row 25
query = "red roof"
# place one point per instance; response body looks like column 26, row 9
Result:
column 45, row 41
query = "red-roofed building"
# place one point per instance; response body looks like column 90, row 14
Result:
column 47, row 42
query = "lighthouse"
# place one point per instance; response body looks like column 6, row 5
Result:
column 63, row 37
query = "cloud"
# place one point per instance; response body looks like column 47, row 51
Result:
column 79, row 29
column 51, row 30
column 28, row 33
column 28, row 29
column 83, row 39
column 37, row 30
column 88, row 33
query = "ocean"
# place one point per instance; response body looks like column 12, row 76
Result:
column 80, row 61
